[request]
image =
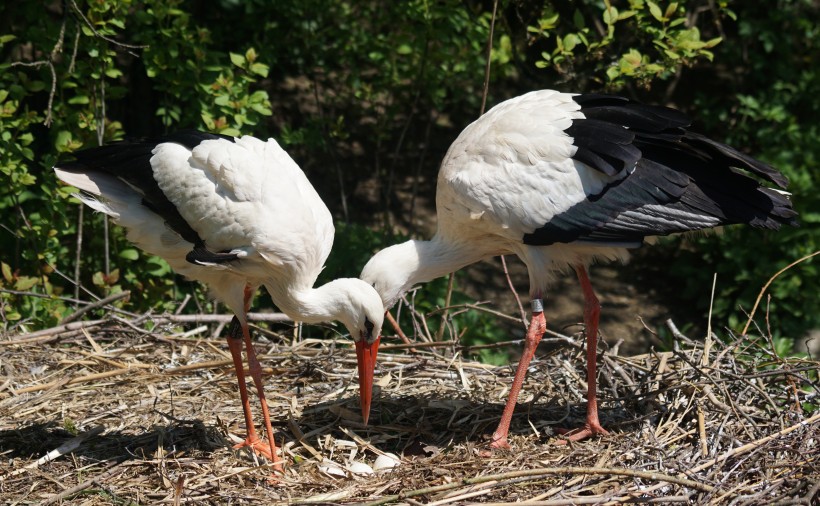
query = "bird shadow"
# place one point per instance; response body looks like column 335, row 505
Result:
column 178, row 436
column 422, row 425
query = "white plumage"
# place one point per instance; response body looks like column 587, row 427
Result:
column 234, row 214
column 561, row 180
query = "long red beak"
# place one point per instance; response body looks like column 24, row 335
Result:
column 366, row 356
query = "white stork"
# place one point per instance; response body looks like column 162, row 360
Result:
column 562, row 180
column 234, row 213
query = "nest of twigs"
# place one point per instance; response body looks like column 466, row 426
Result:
column 109, row 412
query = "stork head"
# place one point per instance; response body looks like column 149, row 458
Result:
column 363, row 315
column 390, row 270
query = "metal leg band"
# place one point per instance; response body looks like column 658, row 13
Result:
column 537, row 306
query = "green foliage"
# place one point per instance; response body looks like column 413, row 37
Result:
column 232, row 95
column 367, row 96
column 775, row 116
column 639, row 42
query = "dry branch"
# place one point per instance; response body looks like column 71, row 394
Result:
column 755, row 444
column 541, row 472
column 173, row 432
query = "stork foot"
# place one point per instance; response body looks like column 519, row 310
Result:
column 258, row 445
column 581, row 433
column 261, row 448
column 499, row 442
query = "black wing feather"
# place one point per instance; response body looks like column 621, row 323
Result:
column 130, row 161
column 673, row 180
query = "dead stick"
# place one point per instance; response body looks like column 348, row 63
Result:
column 542, row 472
column 704, row 362
column 186, row 318
column 300, row 436
column 72, row 381
column 597, row 500
column 108, row 473
column 25, row 338
column 754, row 444
column 219, row 318
column 211, row 364
column 94, row 305
column 766, row 286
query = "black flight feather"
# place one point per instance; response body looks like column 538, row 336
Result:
column 681, row 180
column 130, row 161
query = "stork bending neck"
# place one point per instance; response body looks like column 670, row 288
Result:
column 310, row 305
column 395, row 270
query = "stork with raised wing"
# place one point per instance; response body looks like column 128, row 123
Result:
column 562, row 180
column 235, row 214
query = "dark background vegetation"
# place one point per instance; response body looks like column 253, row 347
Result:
column 367, row 96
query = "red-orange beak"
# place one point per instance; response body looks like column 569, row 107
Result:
column 366, row 355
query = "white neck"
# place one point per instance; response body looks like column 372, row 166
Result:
column 350, row 301
column 394, row 270
column 309, row 305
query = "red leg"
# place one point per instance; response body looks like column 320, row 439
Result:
column 256, row 373
column 235, row 337
column 592, row 312
column 538, row 325
column 235, row 345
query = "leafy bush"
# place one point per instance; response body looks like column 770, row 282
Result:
column 367, row 96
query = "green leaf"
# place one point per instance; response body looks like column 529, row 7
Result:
column 259, row 69
column 691, row 44
column 713, row 42
column 208, row 120
column 610, row 15
column 62, row 141
column 237, row 59
column 159, row 267
column 570, row 41
column 25, row 282
column 655, row 10
column 613, row 73
column 6, row 271
column 129, row 254
column 653, row 68
column 79, row 100
column 261, row 109
column 549, row 23
column 670, row 10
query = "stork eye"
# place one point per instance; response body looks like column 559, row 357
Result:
column 368, row 325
